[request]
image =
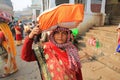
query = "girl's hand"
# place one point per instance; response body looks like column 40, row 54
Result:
column 35, row 31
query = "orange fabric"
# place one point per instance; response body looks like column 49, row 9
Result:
column 62, row 13
column 58, row 63
column 8, row 62
column 9, row 40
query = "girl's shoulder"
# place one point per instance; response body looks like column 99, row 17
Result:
column 48, row 45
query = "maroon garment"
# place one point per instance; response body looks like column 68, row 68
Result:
column 18, row 37
column 27, row 53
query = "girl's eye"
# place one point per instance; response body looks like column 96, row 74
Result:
column 65, row 33
column 61, row 32
column 57, row 32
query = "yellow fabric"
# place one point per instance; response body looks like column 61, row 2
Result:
column 8, row 64
column 62, row 13
column 9, row 43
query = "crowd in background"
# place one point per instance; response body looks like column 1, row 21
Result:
column 20, row 29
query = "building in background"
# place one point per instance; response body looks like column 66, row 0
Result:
column 99, row 12
column 6, row 5
column 113, row 11
column 25, row 15
column 36, row 9
column 91, row 11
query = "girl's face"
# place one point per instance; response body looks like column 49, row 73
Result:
column 60, row 37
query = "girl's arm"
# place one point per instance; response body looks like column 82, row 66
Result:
column 27, row 52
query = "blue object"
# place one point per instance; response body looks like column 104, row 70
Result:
column 118, row 48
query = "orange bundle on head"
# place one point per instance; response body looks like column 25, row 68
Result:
column 65, row 15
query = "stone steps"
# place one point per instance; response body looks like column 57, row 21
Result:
column 107, row 37
column 106, row 60
column 106, row 28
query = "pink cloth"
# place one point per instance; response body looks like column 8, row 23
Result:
column 92, row 42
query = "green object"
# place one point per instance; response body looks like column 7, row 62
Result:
column 75, row 32
column 16, row 18
column 97, row 44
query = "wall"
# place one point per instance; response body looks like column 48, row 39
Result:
column 61, row 1
column 90, row 20
column 113, row 9
column 6, row 5
column 95, row 8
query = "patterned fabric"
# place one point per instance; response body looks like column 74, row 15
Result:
column 57, row 63
column 71, row 50
column 45, row 75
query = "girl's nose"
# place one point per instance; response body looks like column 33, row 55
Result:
column 60, row 34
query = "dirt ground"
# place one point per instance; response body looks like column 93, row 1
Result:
column 94, row 70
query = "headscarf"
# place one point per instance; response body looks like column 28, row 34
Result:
column 72, row 51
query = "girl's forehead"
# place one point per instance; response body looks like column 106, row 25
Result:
column 60, row 31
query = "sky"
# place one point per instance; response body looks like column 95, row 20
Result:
column 19, row 5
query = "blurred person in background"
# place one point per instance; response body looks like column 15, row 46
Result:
column 8, row 64
column 22, row 28
column 27, row 29
column 18, row 34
